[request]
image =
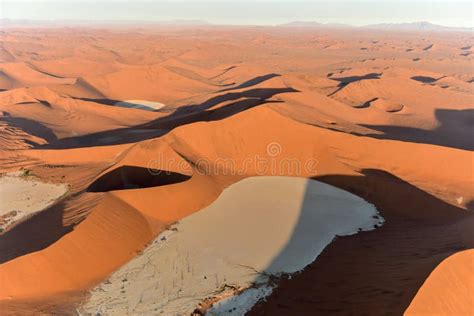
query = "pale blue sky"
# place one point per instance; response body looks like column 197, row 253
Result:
column 262, row 12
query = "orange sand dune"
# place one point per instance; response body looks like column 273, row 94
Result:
column 72, row 254
column 147, row 78
column 60, row 116
column 387, row 116
column 448, row 290
column 15, row 75
column 73, row 67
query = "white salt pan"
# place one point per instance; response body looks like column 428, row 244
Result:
column 258, row 227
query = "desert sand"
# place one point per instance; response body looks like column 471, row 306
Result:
column 384, row 115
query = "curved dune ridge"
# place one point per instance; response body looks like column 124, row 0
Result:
column 368, row 112
column 257, row 228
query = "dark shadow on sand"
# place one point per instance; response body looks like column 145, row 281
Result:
column 252, row 82
column 204, row 112
column 345, row 81
column 100, row 101
column 38, row 232
column 131, row 177
column 31, row 127
column 425, row 79
column 376, row 272
column 456, row 130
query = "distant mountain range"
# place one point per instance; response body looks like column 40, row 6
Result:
column 420, row 26
column 414, row 26
column 315, row 24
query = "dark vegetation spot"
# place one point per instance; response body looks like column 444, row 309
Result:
column 26, row 172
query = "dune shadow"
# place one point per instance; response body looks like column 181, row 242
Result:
column 131, row 177
column 455, row 130
column 252, row 82
column 257, row 93
column 345, row 81
column 365, row 104
column 426, row 79
column 100, row 101
column 374, row 272
column 470, row 205
column 211, row 110
column 36, row 233
column 427, row 48
column 31, row 127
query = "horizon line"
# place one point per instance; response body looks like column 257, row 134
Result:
column 202, row 22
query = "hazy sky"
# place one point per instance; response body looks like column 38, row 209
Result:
column 262, row 12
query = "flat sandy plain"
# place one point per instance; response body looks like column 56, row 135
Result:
column 387, row 116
